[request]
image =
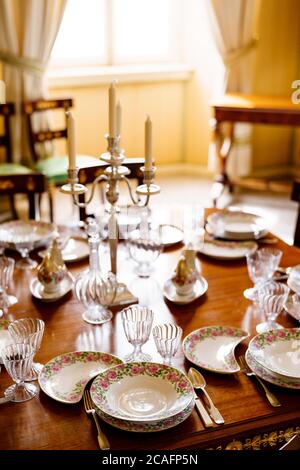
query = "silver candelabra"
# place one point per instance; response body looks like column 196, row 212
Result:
column 113, row 174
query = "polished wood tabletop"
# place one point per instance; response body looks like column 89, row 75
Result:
column 250, row 421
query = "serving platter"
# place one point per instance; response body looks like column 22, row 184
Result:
column 19, row 231
column 212, row 348
column 65, row 376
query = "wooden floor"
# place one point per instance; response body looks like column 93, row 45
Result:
column 176, row 191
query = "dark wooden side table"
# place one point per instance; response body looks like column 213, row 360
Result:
column 255, row 109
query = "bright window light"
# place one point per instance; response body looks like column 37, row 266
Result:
column 82, row 33
column 112, row 32
column 141, row 28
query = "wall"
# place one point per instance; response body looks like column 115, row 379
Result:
column 162, row 101
column 276, row 68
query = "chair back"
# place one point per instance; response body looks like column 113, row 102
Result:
column 296, row 197
column 6, row 110
column 39, row 132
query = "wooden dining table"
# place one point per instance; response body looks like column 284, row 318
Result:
column 251, row 423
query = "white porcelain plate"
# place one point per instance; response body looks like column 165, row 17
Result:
column 212, row 348
column 278, row 351
column 200, row 287
column 75, row 249
column 290, row 307
column 170, row 235
column 19, row 231
column 5, row 337
column 142, row 392
column 236, row 225
column 160, row 425
column 65, row 376
column 268, row 375
column 37, row 289
column 227, row 250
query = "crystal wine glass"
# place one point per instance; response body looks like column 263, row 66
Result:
column 6, row 274
column 17, row 359
column 261, row 266
column 271, row 299
column 167, row 338
column 29, row 331
column 145, row 246
column 137, row 323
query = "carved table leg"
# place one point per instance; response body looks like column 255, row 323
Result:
column 222, row 150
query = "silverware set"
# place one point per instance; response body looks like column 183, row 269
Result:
column 89, row 409
column 198, row 382
column 246, row 370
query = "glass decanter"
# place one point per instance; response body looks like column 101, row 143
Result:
column 94, row 291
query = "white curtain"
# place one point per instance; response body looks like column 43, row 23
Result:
column 28, row 29
column 234, row 25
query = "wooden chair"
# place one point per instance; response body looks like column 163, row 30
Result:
column 54, row 167
column 88, row 174
column 16, row 178
column 296, row 197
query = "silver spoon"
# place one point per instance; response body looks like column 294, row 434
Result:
column 198, row 382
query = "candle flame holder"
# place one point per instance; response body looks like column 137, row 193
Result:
column 115, row 173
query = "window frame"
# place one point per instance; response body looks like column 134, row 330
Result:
column 175, row 55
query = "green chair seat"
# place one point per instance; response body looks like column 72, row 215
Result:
column 14, row 169
column 55, row 168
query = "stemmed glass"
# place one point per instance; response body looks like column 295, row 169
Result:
column 271, row 299
column 137, row 323
column 6, row 274
column 261, row 266
column 167, row 338
column 17, row 359
column 29, row 331
column 24, row 247
column 145, row 246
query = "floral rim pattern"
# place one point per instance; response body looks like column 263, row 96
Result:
column 60, row 362
column 101, row 384
column 269, row 376
column 259, row 342
column 160, row 425
column 212, row 332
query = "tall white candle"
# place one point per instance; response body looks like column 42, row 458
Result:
column 148, row 144
column 2, row 92
column 112, row 109
column 71, row 141
column 119, row 118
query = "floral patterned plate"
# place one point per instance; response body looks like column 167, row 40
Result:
column 155, row 426
column 227, row 250
column 65, row 376
column 142, row 392
column 212, row 348
column 278, row 351
column 269, row 376
column 5, row 337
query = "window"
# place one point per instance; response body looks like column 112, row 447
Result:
column 115, row 32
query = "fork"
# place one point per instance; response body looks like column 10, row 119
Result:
column 246, row 369
column 89, row 409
